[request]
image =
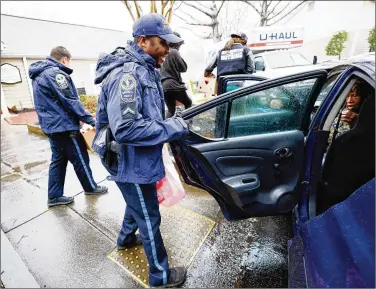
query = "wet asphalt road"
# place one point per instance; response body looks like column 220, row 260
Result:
column 68, row 246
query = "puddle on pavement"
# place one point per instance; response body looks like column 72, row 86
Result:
column 10, row 178
column 34, row 164
column 183, row 231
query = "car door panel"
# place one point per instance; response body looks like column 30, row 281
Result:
column 243, row 164
column 250, row 161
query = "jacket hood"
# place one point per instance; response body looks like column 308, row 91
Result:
column 38, row 67
column 132, row 53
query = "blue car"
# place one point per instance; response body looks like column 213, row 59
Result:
column 267, row 149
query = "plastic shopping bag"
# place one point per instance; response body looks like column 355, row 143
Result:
column 170, row 190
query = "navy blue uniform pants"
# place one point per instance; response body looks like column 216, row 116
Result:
column 68, row 146
column 142, row 212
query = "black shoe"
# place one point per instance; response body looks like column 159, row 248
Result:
column 177, row 277
column 60, row 201
column 99, row 190
column 137, row 242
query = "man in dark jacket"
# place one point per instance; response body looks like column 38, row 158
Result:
column 173, row 85
column 60, row 112
column 131, row 104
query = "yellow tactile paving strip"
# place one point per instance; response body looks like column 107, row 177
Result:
column 183, row 232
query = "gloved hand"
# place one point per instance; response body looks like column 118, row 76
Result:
column 188, row 122
column 209, row 74
column 86, row 127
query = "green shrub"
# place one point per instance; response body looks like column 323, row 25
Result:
column 371, row 40
column 90, row 102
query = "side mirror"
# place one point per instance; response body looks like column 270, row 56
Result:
column 314, row 59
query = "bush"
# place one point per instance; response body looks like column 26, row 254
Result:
column 90, row 102
column 336, row 44
column 371, row 40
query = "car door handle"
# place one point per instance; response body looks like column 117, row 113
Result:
column 283, row 152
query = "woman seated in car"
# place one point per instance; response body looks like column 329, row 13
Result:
column 349, row 116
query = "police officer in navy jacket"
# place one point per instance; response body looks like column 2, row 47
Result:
column 132, row 105
column 60, row 112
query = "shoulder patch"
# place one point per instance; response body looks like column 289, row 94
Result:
column 127, row 88
column 61, row 81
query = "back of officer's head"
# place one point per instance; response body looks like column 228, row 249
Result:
column 61, row 54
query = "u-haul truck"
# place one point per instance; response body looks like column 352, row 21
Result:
column 271, row 38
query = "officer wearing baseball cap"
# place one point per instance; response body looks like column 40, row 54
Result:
column 234, row 58
column 131, row 107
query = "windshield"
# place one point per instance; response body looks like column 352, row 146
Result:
column 285, row 59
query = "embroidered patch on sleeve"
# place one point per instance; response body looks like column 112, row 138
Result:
column 61, row 81
column 127, row 88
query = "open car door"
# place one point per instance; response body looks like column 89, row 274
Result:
column 246, row 147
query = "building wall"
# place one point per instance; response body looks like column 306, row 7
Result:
column 83, row 74
column 17, row 94
column 322, row 19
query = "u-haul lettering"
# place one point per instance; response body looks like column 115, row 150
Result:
column 231, row 54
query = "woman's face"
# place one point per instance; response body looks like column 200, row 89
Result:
column 353, row 99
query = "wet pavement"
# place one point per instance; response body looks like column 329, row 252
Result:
column 68, row 246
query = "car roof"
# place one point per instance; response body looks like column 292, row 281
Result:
column 366, row 64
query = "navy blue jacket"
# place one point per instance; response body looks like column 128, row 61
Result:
column 56, row 99
column 132, row 103
column 238, row 60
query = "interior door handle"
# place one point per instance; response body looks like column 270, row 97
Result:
column 283, row 152
column 243, row 183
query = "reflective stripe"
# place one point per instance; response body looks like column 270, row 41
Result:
column 150, row 232
column 83, row 163
column 305, row 273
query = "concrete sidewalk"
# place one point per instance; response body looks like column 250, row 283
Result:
column 68, row 246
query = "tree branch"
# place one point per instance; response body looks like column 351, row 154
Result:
column 199, row 4
column 129, row 8
column 189, row 16
column 137, row 8
column 253, row 6
column 199, row 9
column 164, row 4
column 274, row 16
column 272, row 11
column 194, row 24
column 288, row 13
column 220, row 7
column 208, row 36
column 200, row 24
column 177, row 8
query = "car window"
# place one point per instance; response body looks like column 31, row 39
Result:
column 272, row 110
column 327, row 86
column 211, row 123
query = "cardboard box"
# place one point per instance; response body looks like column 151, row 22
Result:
column 88, row 137
column 207, row 86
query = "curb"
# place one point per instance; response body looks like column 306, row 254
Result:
column 14, row 273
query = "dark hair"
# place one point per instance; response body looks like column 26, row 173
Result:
column 59, row 52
